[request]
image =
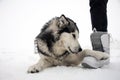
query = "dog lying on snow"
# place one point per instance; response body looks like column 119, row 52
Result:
column 57, row 44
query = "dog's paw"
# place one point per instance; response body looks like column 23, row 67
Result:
column 34, row 69
column 105, row 57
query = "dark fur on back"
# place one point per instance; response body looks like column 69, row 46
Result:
column 48, row 38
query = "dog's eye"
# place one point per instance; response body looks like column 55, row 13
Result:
column 74, row 35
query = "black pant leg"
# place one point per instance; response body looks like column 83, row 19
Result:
column 98, row 11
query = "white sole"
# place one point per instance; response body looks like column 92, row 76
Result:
column 92, row 62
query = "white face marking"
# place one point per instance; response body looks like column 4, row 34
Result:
column 69, row 42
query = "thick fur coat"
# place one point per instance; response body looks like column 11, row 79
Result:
column 57, row 44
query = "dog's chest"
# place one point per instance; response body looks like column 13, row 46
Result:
column 58, row 48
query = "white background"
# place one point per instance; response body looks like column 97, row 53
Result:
column 21, row 21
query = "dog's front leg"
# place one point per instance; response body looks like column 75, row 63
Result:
column 42, row 64
column 97, row 54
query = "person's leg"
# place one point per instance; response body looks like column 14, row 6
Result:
column 100, row 39
column 98, row 11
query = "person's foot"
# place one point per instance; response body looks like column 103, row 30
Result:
column 100, row 42
column 93, row 63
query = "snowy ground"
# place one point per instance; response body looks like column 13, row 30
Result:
column 20, row 22
column 14, row 65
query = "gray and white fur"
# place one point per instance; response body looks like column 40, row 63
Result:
column 58, row 45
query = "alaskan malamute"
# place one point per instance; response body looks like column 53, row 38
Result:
column 58, row 44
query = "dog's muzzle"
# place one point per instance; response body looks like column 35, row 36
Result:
column 76, row 50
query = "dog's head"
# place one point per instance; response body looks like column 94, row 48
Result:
column 69, row 34
column 63, row 29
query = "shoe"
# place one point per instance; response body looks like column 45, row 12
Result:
column 105, row 39
column 93, row 63
column 100, row 42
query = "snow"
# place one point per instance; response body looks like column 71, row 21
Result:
column 13, row 66
column 20, row 22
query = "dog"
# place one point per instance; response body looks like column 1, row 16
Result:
column 58, row 45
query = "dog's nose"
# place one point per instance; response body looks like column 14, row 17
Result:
column 80, row 49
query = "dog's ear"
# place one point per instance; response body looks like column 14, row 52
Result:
column 62, row 16
column 63, row 21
